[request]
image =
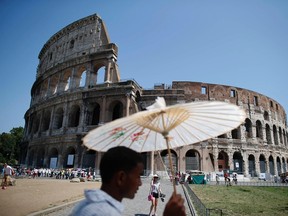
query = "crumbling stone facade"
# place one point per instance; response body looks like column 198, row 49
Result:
column 69, row 98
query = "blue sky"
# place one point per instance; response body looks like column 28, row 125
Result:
column 238, row 43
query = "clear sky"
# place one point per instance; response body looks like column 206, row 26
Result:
column 230, row 42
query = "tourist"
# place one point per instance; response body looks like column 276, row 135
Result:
column 8, row 172
column 120, row 170
column 155, row 191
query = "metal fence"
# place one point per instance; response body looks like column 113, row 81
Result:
column 199, row 208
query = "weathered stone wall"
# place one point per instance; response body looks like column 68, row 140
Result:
column 68, row 99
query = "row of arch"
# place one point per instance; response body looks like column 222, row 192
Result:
column 73, row 78
column 277, row 137
column 74, row 116
column 71, row 158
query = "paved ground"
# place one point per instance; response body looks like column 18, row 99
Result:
column 139, row 206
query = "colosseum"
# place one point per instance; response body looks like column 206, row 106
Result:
column 78, row 88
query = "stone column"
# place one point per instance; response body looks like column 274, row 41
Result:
column 245, row 163
column 103, row 110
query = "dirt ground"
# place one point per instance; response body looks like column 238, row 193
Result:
column 32, row 195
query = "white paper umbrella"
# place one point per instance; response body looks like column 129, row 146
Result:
column 165, row 127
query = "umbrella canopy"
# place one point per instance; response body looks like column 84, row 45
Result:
column 180, row 124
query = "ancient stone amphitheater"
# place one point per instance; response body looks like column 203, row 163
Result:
column 78, row 88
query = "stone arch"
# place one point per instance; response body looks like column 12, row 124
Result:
column 251, row 165
column 280, row 135
column 259, row 132
column 165, row 158
column 46, row 120
column 89, row 159
column 80, row 77
column 266, row 116
column 58, row 118
column 44, row 88
column 238, row 162
column 70, row 156
column 223, row 161
column 101, row 75
column 271, row 165
column 115, row 110
column 248, row 128
column 284, row 165
column 53, row 158
column 262, row 161
column 98, row 74
column 66, row 80
column 40, row 158
column 36, row 124
column 284, row 138
column 275, row 135
column 54, row 81
column 192, row 160
column 236, row 133
column 268, row 134
column 74, row 116
column 93, row 115
column 278, row 163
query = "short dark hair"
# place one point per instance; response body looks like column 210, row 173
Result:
column 116, row 159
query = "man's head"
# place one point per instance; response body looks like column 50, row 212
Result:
column 121, row 167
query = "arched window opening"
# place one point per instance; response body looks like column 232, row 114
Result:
column 275, row 135
column 262, row 162
column 266, row 116
column 268, row 134
column 259, row 133
column 89, row 159
column 251, row 164
column 36, row 124
column 74, row 116
column 46, row 121
column 271, row 165
column 70, row 158
column 284, row 165
column 53, row 158
column 67, row 84
column 72, row 42
column 192, row 160
column 279, row 171
column 165, row 158
column 222, row 161
column 59, row 114
column 44, row 88
column 53, row 85
column 100, row 77
column 284, row 138
column 117, row 111
column 40, row 158
column 236, row 133
column 248, row 128
column 83, row 79
column 96, row 115
column 238, row 162
column 280, row 135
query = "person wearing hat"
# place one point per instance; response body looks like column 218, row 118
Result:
column 155, row 191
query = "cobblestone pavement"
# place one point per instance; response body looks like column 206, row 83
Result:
column 139, row 206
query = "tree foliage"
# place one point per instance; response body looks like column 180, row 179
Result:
column 9, row 145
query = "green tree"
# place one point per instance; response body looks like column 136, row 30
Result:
column 9, row 145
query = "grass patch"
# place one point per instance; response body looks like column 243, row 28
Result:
column 244, row 200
